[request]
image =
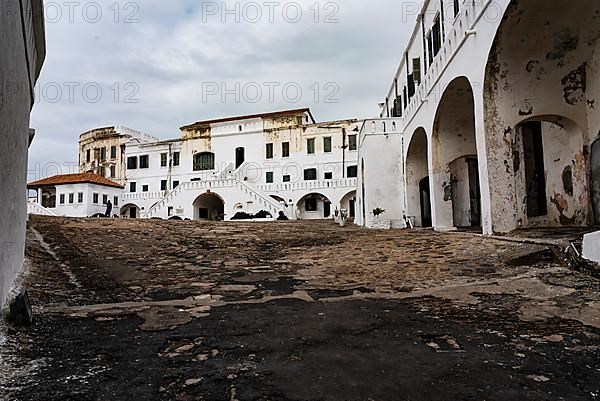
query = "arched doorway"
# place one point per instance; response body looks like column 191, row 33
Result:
column 418, row 203
column 314, row 206
column 455, row 166
column 348, row 203
column 425, row 203
column 540, row 91
column 209, row 207
column 131, row 211
column 550, row 172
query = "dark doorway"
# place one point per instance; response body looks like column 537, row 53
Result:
column 203, row 213
column 326, row 209
column 352, row 211
column 424, row 190
column 535, row 176
column 596, row 180
column 474, row 192
column 132, row 212
column 240, row 157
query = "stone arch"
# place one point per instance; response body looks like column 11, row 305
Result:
column 454, row 179
column 314, row 206
column 544, row 61
column 131, row 211
column 418, row 195
column 348, row 203
column 209, row 206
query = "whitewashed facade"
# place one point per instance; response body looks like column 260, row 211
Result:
column 272, row 162
column 77, row 199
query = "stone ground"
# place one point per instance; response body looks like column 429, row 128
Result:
column 303, row 311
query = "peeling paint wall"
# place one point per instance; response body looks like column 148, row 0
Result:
column 541, row 67
column 566, row 179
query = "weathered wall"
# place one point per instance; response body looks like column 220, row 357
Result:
column 16, row 84
column 541, row 66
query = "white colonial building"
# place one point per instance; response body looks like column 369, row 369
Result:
column 249, row 167
column 74, row 195
column 491, row 121
column 272, row 162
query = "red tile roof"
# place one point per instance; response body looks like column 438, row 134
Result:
column 247, row 117
column 82, row 178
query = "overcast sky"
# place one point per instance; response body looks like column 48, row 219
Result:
column 155, row 65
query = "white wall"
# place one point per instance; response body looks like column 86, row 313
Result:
column 15, row 104
column 383, row 180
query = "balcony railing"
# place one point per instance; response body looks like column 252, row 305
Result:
column 308, row 185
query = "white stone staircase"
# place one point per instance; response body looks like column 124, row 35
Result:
column 37, row 209
column 246, row 191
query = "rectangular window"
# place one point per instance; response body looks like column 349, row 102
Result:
column 132, row 187
column 88, row 155
column 285, row 149
column 310, row 146
column 269, row 150
column 163, row 185
column 176, row 158
column 430, row 48
column 132, row 162
column 170, row 211
column 113, row 152
column 163, row 159
column 270, row 177
column 104, row 199
column 102, row 171
column 62, row 199
column 80, row 197
column 287, row 178
column 352, row 171
column 116, row 201
column 310, row 174
column 71, row 199
column 103, row 154
column 204, row 161
column 145, row 188
column 329, row 176
column 352, row 142
column 456, row 7
column 175, row 184
column 437, row 36
column 327, row 144
column 113, row 172
column 96, row 199
column 144, row 161
column 417, row 70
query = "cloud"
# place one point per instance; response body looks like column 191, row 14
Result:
column 146, row 65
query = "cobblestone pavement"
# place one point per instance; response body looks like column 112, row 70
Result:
column 303, row 311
